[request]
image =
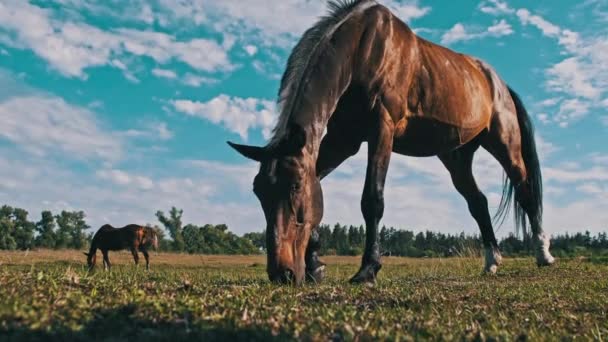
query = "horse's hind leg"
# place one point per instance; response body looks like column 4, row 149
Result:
column 106, row 260
column 460, row 165
column 503, row 143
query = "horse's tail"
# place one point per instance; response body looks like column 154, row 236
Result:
column 534, row 178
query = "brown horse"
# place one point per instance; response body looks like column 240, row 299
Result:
column 133, row 237
column 362, row 74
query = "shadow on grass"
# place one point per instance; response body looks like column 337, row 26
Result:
column 119, row 324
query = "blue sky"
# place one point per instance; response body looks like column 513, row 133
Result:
column 121, row 108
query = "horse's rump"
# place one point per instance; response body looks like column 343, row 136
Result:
column 442, row 86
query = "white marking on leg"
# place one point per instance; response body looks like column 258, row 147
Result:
column 543, row 256
column 493, row 259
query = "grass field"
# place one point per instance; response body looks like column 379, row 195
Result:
column 48, row 295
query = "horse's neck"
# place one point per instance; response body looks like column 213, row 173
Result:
column 321, row 77
column 320, row 96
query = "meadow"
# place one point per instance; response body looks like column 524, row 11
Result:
column 49, row 296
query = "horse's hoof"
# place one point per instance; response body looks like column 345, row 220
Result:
column 493, row 260
column 545, row 260
column 490, row 269
column 367, row 274
column 317, row 275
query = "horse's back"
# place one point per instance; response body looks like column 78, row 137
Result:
column 113, row 239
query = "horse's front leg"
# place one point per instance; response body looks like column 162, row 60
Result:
column 147, row 256
column 335, row 149
column 380, row 146
column 135, row 255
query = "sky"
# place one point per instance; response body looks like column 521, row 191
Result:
column 121, row 108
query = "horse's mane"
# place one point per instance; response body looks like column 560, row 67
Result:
column 304, row 56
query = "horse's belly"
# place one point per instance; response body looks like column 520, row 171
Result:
column 422, row 137
column 114, row 244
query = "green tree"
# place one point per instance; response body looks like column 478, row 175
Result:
column 7, row 228
column 24, row 229
column 46, row 230
column 173, row 224
column 16, row 232
column 324, row 239
column 71, row 225
column 258, row 239
column 193, row 239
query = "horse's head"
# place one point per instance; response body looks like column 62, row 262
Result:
column 150, row 238
column 291, row 198
column 91, row 259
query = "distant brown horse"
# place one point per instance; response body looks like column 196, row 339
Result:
column 363, row 75
column 133, row 237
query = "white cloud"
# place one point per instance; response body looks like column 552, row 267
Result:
column 547, row 28
column 125, row 179
column 71, row 47
column 545, row 148
column 201, row 54
column 407, row 11
column 549, row 102
column 146, row 15
column 495, row 7
column 499, row 29
column 163, row 131
column 188, row 78
column 569, row 76
column 571, row 110
column 164, row 73
column 95, row 104
column 566, row 175
column 251, row 49
column 591, row 188
column 455, row 34
column 582, row 75
column 45, row 125
column 154, row 130
column 459, row 33
column 256, row 22
column 119, row 196
column 237, row 177
column 238, row 115
column 196, row 81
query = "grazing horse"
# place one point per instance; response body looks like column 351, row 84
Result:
column 134, row 237
column 362, row 75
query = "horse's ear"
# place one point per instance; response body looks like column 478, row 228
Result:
column 256, row 153
column 294, row 141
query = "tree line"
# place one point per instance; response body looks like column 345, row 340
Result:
column 65, row 230
column 350, row 240
column 69, row 229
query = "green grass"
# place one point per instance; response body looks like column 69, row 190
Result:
column 229, row 299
